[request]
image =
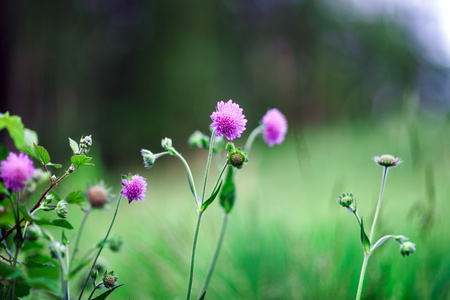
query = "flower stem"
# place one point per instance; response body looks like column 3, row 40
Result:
column 258, row 130
column 380, row 198
column 101, row 248
column 362, row 274
column 77, row 242
column 194, row 246
column 208, row 163
column 216, row 253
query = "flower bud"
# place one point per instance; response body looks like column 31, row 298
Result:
column 166, row 143
column 109, row 279
column 97, row 196
column 237, row 158
column 33, row 233
column 61, row 209
column 149, row 158
column 57, row 247
column 198, row 140
column 387, row 160
column 230, row 147
column 345, row 200
column 85, row 144
column 407, row 248
column 115, row 244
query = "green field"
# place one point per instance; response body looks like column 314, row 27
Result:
column 287, row 236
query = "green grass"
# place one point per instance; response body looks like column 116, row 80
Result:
column 287, row 236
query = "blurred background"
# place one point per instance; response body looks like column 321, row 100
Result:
column 354, row 79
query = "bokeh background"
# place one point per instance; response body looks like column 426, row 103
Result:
column 354, row 80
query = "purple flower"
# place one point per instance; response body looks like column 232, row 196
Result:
column 16, row 170
column 134, row 187
column 228, row 120
column 275, row 127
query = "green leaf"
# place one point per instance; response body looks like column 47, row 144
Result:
column 81, row 160
column 364, row 239
column 57, row 198
column 4, row 152
column 43, row 284
column 5, row 270
column 15, row 128
column 107, row 293
column 27, row 149
column 42, row 154
column 74, row 146
column 75, row 197
column 56, row 166
column 30, row 137
column 64, row 240
column 228, row 193
column 56, row 222
column 27, row 215
column 202, row 297
column 211, row 198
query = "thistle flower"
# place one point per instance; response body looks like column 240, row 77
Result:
column 228, row 120
column 387, row 160
column 16, row 170
column 275, row 127
column 134, row 187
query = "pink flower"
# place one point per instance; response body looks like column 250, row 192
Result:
column 134, row 187
column 16, row 170
column 228, row 120
column 275, row 127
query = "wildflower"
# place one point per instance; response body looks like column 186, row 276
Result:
column 16, row 170
column 228, row 120
column 387, row 160
column 134, row 187
column 407, row 248
column 275, row 127
column 346, row 200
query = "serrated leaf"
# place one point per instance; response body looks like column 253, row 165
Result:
column 27, row 149
column 81, row 160
column 74, row 146
column 211, row 198
column 56, row 222
column 228, row 193
column 107, row 293
column 42, row 154
column 75, row 197
column 364, row 239
column 15, row 128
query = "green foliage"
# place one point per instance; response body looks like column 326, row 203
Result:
column 211, row 198
column 228, row 193
column 364, row 239
column 15, row 128
column 81, row 161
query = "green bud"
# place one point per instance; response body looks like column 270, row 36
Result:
column 61, row 209
column 166, row 143
column 198, row 140
column 115, row 244
column 346, row 200
column 94, row 274
column 230, row 147
column 237, row 158
column 407, row 248
column 149, row 158
column 33, row 233
column 109, row 279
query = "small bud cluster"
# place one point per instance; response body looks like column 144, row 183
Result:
column 85, row 144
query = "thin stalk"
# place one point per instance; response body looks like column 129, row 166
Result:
column 77, row 242
column 212, row 264
column 380, row 198
column 208, row 163
column 258, row 130
column 191, row 178
column 17, row 246
column 101, row 248
column 362, row 274
column 194, row 246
